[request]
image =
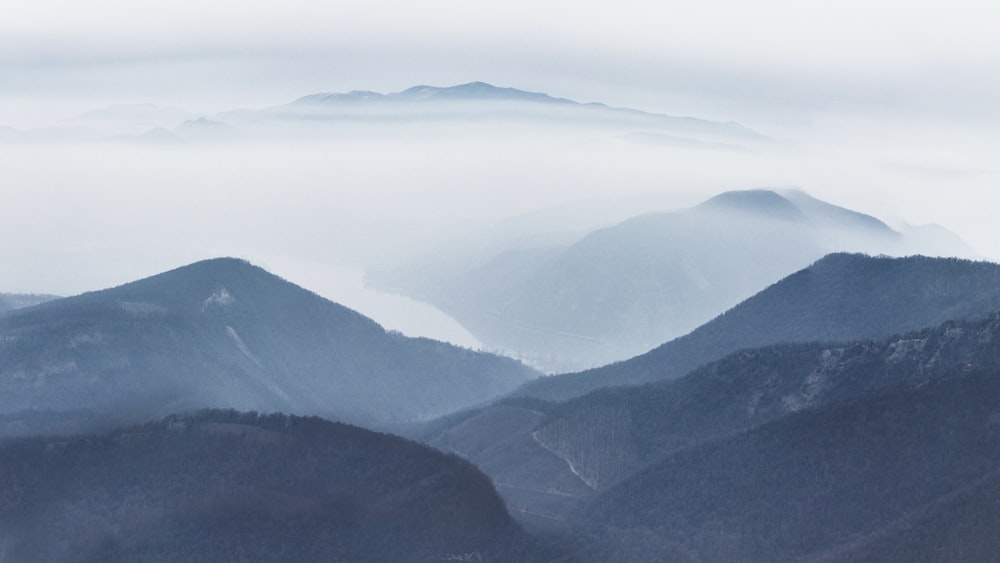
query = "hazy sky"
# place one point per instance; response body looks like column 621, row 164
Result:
column 781, row 59
column 890, row 108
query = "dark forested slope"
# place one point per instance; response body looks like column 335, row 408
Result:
column 584, row 446
column 229, row 486
column 821, row 482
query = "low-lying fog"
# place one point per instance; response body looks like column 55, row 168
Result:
column 319, row 206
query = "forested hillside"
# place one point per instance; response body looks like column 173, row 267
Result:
column 224, row 333
column 230, row 486
column 578, row 449
column 822, row 483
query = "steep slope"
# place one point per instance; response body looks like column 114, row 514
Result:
column 611, row 434
column 812, row 483
column 228, row 486
column 749, row 388
column 591, row 442
column 223, row 333
column 538, row 485
column 959, row 526
column 841, row 297
column 620, row 291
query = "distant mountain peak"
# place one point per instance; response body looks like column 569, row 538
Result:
column 222, row 266
column 763, row 202
column 478, row 91
column 340, row 97
column 824, row 212
column 203, row 285
column 482, row 99
column 421, row 93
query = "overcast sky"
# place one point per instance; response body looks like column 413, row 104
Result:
column 713, row 58
column 892, row 105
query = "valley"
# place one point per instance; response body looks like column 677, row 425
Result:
column 287, row 283
column 840, row 414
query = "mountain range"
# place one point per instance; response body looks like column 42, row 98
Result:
column 333, row 113
column 838, row 298
column 866, row 441
column 619, row 291
column 548, row 459
column 845, row 413
column 484, row 100
column 230, row 486
column 224, row 333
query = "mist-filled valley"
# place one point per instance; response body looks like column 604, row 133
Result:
column 275, row 289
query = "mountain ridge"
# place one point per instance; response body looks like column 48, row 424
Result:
column 870, row 462
column 619, row 291
column 225, row 333
column 827, row 293
column 680, row 395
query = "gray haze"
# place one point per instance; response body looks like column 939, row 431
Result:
column 885, row 107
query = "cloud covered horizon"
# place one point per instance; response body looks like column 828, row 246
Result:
column 884, row 107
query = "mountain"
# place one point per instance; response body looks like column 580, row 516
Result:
column 620, row 291
column 750, row 388
column 956, row 527
column 478, row 102
column 816, row 451
column 224, row 333
column 840, row 297
column 416, row 111
column 875, row 443
column 422, row 93
column 230, row 486
column 547, row 458
column 12, row 301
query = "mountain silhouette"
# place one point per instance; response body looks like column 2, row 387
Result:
column 548, row 458
column 224, row 333
column 840, row 297
column 620, row 291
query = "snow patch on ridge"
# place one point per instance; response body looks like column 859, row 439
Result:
column 220, row 298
